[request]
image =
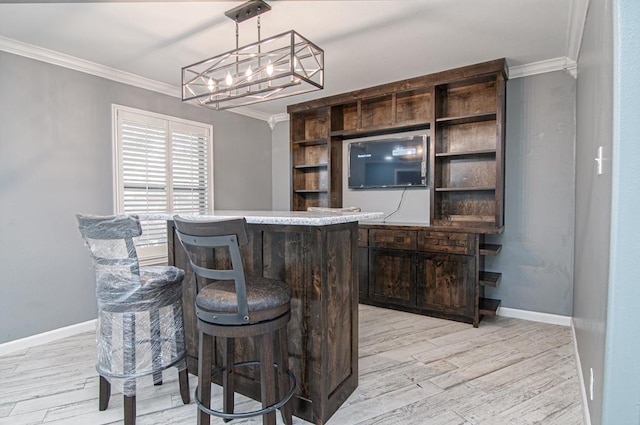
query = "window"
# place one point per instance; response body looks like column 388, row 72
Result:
column 163, row 165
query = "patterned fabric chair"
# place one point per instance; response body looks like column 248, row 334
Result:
column 140, row 329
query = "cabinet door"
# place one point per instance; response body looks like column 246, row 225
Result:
column 446, row 283
column 392, row 276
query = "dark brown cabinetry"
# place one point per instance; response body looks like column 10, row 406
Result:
column 392, row 276
column 446, row 284
column 436, row 269
column 426, row 270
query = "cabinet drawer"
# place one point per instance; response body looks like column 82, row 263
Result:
column 393, row 239
column 446, row 242
column 363, row 237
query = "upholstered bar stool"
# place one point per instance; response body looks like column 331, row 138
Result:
column 140, row 329
column 233, row 305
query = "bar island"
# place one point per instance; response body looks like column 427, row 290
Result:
column 316, row 254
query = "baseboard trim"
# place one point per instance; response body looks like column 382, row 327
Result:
column 583, row 389
column 534, row 316
column 43, row 338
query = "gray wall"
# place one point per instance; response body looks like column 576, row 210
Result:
column 536, row 260
column 606, row 313
column 55, row 161
column 280, row 167
column 621, row 397
column 537, row 256
column 593, row 196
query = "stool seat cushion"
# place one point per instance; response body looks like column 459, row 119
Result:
column 266, row 298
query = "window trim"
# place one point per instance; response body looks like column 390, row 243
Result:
column 153, row 255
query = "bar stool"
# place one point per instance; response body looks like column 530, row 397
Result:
column 232, row 305
column 140, row 329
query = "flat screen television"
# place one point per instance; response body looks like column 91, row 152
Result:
column 388, row 162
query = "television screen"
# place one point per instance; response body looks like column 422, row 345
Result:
column 390, row 161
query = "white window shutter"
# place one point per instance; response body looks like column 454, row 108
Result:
column 163, row 166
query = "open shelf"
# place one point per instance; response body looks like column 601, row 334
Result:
column 490, row 278
column 464, row 189
column 468, row 153
column 310, row 166
column 311, row 142
column 381, row 130
column 466, row 119
column 310, row 191
column 489, row 306
column 490, row 249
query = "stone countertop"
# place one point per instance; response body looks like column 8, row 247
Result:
column 294, row 218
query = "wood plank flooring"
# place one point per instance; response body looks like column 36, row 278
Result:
column 413, row 370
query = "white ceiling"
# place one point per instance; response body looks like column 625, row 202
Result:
column 365, row 42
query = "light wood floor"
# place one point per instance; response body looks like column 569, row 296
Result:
column 413, row 370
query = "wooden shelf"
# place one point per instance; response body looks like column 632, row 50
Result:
column 489, row 306
column 311, row 142
column 311, row 191
column 464, row 189
column 490, row 278
column 466, row 119
column 490, row 249
column 310, row 166
column 381, row 130
column 470, row 153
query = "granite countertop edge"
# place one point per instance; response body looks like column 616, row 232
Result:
column 300, row 218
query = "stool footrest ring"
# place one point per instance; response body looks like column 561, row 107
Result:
column 268, row 409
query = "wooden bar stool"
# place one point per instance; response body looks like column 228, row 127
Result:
column 231, row 305
column 140, row 328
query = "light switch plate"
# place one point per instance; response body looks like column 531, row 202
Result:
column 599, row 160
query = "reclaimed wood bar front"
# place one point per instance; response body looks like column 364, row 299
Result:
column 316, row 254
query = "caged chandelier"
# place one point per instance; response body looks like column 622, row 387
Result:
column 276, row 67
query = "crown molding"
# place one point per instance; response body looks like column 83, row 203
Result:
column 251, row 113
column 577, row 19
column 550, row 65
column 71, row 62
column 88, row 67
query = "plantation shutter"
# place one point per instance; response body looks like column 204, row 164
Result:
column 164, row 167
column 190, row 175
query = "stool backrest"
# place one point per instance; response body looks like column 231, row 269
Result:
column 194, row 235
column 115, row 261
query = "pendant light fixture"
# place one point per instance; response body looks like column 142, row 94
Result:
column 276, row 67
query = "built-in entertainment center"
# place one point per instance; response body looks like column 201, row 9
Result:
column 442, row 133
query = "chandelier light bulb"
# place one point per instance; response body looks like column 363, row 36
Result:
column 211, row 85
column 269, row 69
column 229, row 79
column 249, row 74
